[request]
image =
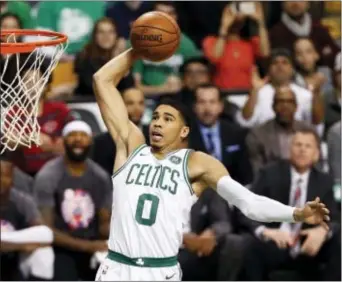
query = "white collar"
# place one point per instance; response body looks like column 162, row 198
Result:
column 295, row 175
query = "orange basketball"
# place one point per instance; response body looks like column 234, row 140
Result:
column 155, row 36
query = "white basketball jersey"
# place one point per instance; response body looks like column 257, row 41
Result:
column 151, row 204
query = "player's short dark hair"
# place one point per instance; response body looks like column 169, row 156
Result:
column 180, row 107
column 206, row 86
column 281, row 52
column 310, row 131
column 6, row 157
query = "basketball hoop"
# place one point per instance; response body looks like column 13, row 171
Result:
column 25, row 70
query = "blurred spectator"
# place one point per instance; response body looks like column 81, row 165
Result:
column 124, row 13
column 74, row 19
column 103, row 45
column 52, row 116
column 258, row 107
column 218, row 255
column 161, row 78
column 22, row 181
column 271, row 140
column 333, row 98
column 195, row 71
column 209, row 134
column 334, row 151
column 303, row 246
column 18, row 211
column 234, row 53
column 19, row 8
column 104, row 149
column 9, row 70
column 308, row 74
column 297, row 22
column 74, row 196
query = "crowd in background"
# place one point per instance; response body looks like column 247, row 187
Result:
column 278, row 53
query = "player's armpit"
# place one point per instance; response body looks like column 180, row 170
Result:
column 205, row 169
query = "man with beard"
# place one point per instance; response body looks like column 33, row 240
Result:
column 271, row 141
column 220, row 138
column 74, row 196
column 135, row 104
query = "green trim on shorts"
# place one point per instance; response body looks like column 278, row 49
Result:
column 185, row 170
column 143, row 262
column 134, row 153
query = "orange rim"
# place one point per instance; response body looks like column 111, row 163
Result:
column 27, row 47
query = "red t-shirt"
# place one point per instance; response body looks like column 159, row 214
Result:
column 234, row 67
column 52, row 120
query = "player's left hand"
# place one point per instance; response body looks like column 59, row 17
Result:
column 315, row 238
column 207, row 244
column 313, row 213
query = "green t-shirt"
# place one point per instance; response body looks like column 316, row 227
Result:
column 156, row 73
column 75, row 19
column 22, row 10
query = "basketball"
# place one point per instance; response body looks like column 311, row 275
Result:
column 155, row 36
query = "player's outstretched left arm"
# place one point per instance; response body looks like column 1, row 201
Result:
column 212, row 173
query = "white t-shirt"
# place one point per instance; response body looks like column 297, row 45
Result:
column 264, row 107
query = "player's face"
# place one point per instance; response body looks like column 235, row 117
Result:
column 306, row 55
column 105, row 35
column 135, row 104
column 167, row 127
column 6, row 177
column 304, row 151
column 196, row 74
column 281, row 70
column 77, row 145
column 208, row 105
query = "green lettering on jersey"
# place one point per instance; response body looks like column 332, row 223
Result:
column 155, row 174
column 151, row 219
column 174, row 176
column 141, row 174
column 128, row 180
column 163, row 185
column 147, row 176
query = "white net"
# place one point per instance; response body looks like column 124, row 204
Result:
column 23, row 79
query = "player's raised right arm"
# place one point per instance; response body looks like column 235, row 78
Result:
column 112, row 107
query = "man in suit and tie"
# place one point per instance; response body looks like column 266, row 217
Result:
column 218, row 137
column 298, row 245
column 104, row 147
column 270, row 141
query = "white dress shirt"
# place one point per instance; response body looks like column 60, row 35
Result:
column 263, row 110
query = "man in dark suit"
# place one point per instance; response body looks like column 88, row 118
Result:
column 104, row 150
column 270, row 141
column 301, row 246
column 218, row 137
column 211, row 249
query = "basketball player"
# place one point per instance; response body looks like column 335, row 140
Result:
column 153, row 186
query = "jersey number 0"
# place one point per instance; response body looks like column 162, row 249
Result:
column 147, row 207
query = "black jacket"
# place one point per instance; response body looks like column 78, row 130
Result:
column 234, row 153
column 274, row 181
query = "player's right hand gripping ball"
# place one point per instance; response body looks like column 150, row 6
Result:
column 155, row 36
